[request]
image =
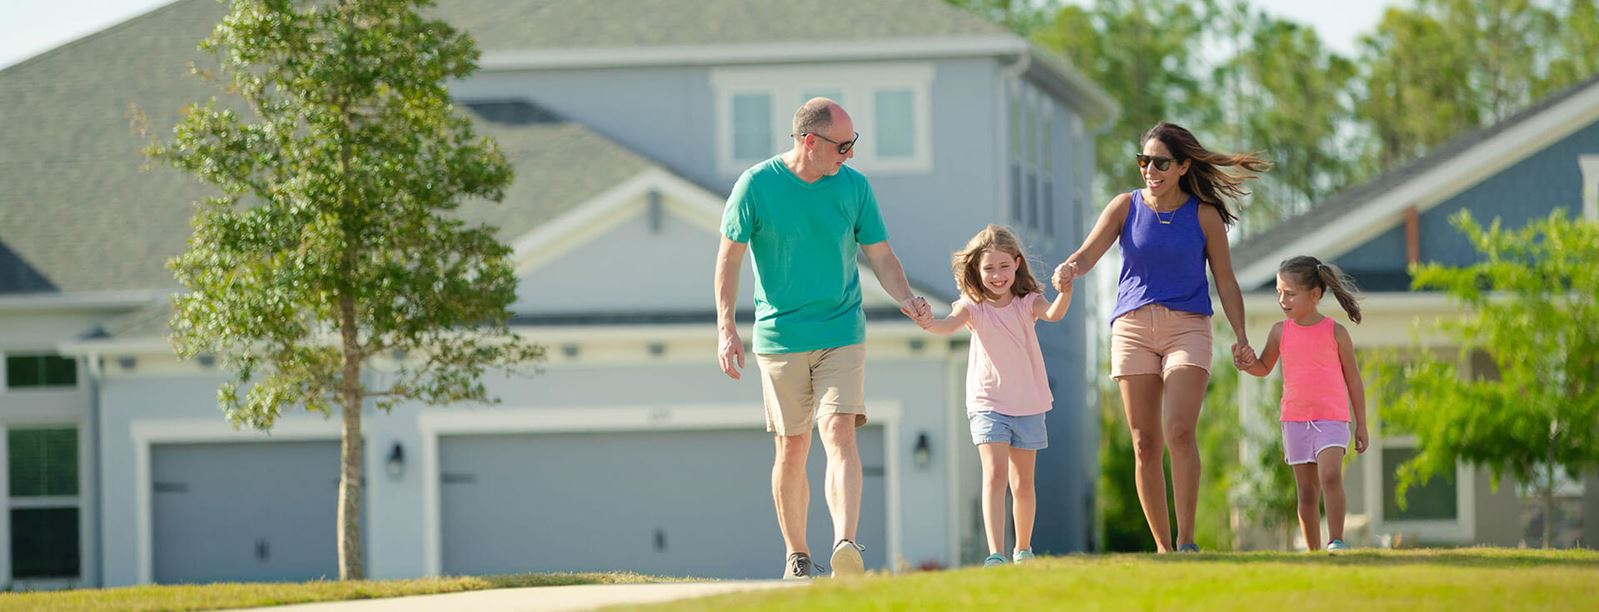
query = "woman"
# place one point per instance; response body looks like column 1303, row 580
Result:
column 1160, row 329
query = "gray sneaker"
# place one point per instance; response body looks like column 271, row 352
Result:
column 799, row 567
column 847, row 559
column 1337, row 546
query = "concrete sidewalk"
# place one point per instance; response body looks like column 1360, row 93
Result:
column 576, row 597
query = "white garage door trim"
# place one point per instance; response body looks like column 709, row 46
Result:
column 656, row 417
column 149, row 432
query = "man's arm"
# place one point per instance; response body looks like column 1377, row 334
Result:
column 730, row 348
column 885, row 265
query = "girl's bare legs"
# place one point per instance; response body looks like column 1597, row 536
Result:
column 1305, row 479
column 1185, row 394
column 996, row 469
column 1330, row 468
column 1141, row 403
column 1024, row 504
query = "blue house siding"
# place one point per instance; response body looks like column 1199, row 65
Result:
column 1528, row 190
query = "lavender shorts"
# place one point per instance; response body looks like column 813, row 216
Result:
column 1303, row 440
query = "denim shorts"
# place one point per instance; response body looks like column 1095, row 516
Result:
column 1020, row 432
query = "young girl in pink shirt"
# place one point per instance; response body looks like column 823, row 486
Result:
column 1321, row 382
column 1007, row 391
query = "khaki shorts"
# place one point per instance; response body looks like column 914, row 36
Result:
column 799, row 387
column 1155, row 339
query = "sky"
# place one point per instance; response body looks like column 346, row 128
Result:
column 31, row 27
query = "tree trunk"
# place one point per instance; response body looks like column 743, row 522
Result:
column 350, row 565
column 1549, row 506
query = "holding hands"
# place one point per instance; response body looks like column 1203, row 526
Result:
column 1244, row 356
column 1065, row 274
column 917, row 309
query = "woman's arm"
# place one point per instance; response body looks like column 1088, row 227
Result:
column 958, row 316
column 1104, row 234
column 1221, row 268
column 1357, row 388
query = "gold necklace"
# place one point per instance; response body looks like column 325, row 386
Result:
column 1163, row 220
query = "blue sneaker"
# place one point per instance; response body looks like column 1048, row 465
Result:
column 1024, row 555
column 994, row 560
column 1337, row 546
column 1188, row 548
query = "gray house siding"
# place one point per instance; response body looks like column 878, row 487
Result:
column 1527, row 190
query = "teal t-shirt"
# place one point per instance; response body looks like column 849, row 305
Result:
column 803, row 237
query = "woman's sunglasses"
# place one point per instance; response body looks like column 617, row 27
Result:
column 843, row 147
column 1161, row 163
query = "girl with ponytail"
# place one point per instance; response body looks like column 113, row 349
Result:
column 1321, row 383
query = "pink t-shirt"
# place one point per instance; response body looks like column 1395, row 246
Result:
column 1005, row 368
column 1313, row 376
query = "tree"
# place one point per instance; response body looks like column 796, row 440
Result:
column 1142, row 54
column 1531, row 306
column 333, row 242
column 1288, row 96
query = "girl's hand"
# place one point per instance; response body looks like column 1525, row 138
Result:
column 1065, row 274
column 1361, row 438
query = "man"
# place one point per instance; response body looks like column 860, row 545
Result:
column 804, row 214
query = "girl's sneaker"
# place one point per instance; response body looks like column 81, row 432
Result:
column 1337, row 546
column 1023, row 556
column 1188, row 548
column 994, row 560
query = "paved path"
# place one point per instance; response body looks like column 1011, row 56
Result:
column 576, row 597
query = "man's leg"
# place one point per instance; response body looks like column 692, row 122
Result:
column 791, row 490
column 843, row 473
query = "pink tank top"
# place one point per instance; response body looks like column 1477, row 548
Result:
column 1313, row 376
column 1005, row 366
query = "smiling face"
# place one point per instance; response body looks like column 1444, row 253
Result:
column 821, row 147
column 1296, row 300
column 1161, row 182
column 998, row 271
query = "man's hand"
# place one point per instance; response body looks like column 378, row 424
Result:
column 730, row 353
column 917, row 309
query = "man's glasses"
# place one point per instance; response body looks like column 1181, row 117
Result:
column 1161, row 163
column 843, row 147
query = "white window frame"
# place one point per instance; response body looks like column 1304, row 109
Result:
column 1590, row 186
column 86, row 551
column 1460, row 530
column 857, row 83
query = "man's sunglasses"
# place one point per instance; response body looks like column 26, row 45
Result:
column 843, row 147
column 1161, row 163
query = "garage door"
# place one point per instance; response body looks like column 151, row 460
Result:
column 682, row 503
column 258, row 511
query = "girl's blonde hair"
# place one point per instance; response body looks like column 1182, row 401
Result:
column 1311, row 273
column 969, row 279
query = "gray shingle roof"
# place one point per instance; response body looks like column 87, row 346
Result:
column 1329, row 211
column 79, row 213
column 548, row 24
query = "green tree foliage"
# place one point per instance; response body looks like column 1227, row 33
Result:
column 1143, row 55
column 1285, row 94
column 333, row 243
column 1531, row 306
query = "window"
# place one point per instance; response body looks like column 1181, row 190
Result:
column 889, row 102
column 752, row 127
column 42, row 464
column 1434, row 501
column 896, row 124
column 34, row 371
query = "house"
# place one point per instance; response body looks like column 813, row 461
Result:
column 1523, row 168
column 626, row 123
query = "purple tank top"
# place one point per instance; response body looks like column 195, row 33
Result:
column 1163, row 263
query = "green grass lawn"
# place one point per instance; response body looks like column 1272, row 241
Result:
column 250, row 595
column 1458, row 579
